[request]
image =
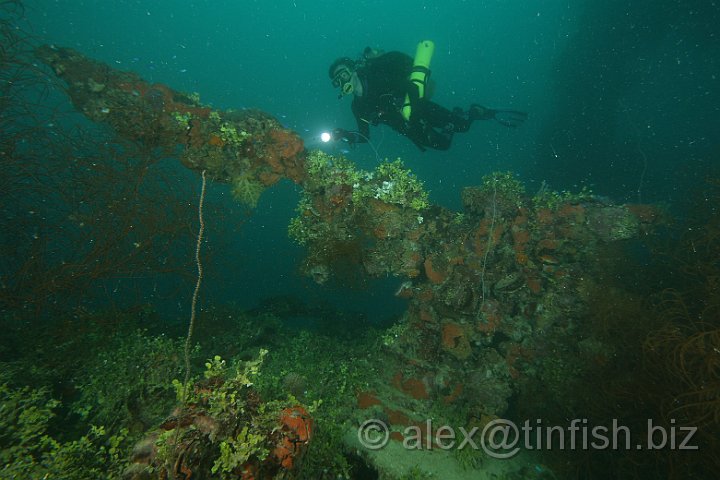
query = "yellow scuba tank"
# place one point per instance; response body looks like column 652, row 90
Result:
column 420, row 73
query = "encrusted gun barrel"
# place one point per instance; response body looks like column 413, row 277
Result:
column 248, row 147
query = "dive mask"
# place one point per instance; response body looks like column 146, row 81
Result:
column 343, row 80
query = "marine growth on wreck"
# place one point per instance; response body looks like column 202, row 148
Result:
column 513, row 309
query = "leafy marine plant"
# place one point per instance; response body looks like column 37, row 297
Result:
column 246, row 189
column 28, row 449
column 400, row 186
column 224, row 430
column 127, row 384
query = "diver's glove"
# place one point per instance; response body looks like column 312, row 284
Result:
column 508, row 118
column 343, row 135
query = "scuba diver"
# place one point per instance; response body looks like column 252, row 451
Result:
column 391, row 88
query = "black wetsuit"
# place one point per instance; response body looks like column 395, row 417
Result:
column 385, row 82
